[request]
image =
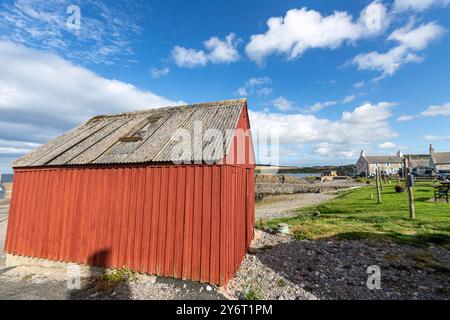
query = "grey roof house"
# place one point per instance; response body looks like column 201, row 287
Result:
column 367, row 165
column 439, row 160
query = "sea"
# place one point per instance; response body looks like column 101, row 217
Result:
column 5, row 178
column 304, row 175
column 298, row 175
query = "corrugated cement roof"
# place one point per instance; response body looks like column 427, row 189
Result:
column 140, row 137
column 441, row 157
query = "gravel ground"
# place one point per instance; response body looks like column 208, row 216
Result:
column 277, row 267
column 32, row 283
column 338, row 270
column 279, row 206
column 260, row 280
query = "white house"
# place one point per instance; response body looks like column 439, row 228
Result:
column 367, row 165
column 439, row 160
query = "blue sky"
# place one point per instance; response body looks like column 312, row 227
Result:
column 331, row 77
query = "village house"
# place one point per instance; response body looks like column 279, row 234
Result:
column 419, row 163
column 367, row 165
column 439, row 160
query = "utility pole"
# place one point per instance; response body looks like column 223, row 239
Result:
column 409, row 186
column 377, row 178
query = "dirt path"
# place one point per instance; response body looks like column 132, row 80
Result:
column 278, row 206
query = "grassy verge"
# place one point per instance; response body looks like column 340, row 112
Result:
column 356, row 214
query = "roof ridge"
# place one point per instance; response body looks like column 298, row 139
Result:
column 193, row 105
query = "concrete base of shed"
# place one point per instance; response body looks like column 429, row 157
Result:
column 20, row 261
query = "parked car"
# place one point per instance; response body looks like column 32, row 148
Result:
column 429, row 173
column 329, row 173
column 420, row 172
column 444, row 174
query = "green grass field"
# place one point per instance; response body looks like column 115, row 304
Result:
column 356, row 214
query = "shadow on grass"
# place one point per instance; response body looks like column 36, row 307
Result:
column 423, row 199
column 400, row 238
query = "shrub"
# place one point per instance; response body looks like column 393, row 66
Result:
column 400, row 188
column 253, row 295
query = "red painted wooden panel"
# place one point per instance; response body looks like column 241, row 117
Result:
column 206, row 225
column 189, row 210
column 215, row 225
column 179, row 223
column 197, row 224
column 187, row 221
column 170, row 224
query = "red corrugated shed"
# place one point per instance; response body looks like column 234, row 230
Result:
column 189, row 221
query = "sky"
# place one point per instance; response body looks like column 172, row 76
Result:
column 330, row 78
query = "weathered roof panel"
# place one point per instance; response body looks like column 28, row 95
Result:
column 419, row 163
column 139, row 137
column 384, row 159
column 441, row 158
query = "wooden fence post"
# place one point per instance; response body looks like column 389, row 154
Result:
column 381, row 177
column 378, row 185
column 409, row 186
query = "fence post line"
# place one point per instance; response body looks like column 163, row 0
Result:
column 412, row 209
column 377, row 177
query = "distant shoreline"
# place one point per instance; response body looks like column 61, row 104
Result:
column 343, row 170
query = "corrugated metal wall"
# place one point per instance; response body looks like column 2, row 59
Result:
column 190, row 222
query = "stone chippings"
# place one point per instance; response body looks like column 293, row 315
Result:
column 276, row 267
column 331, row 269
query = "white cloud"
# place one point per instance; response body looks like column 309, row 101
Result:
column 318, row 106
column 387, row 145
column 189, row 58
column 388, row 62
column 359, row 85
column 219, row 51
column 433, row 111
column 329, row 150
column 106, row 35
column 260, row 86
column 158, row 73
column 368, row 114
column 42, row 95
column 303, row 29
column 418, row 5
column 343, row 138
column 348, row 99
column 12, row 148
column 283, row 104
column 418, row 38
column 266, row 91
column 410, row 42
column 437, row 138
column 405, row 118
column 222, row 51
